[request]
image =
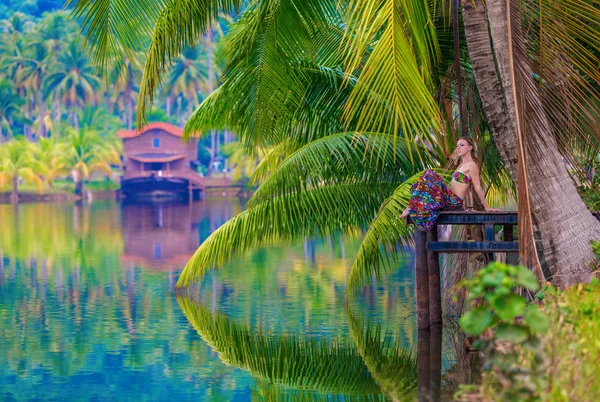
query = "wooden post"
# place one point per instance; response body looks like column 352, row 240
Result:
column 423, row 365
column 435, row 362
column 422, row 279
column 489, row 236
column 508, row 232
column 435, row 292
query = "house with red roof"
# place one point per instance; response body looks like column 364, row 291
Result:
column 158, row 163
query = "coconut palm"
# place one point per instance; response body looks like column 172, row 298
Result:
column 74, row 80
column 50, row 159
column 53, row 29
column 86, row 152
column 187, row 78
column 17, row 162
column 286, row 60
column 10, row 104
column 36, row 65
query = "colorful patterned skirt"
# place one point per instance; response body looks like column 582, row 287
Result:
column 430, row 195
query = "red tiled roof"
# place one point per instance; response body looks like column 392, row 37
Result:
column 169, row 128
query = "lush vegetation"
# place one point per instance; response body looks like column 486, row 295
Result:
column 350, row 101
column 533, row 353
column 48, row 81
column 75, row 156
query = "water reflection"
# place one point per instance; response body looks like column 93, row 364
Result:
column 86, row 307
column 314, row 364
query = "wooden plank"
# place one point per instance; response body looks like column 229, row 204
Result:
column 422, row 279
column 472, row 246
column 488, row 232
column 472, row 218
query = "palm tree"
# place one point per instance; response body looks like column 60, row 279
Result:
column 550, row 67
column 285, row 62
column 10, row 104
column 51, row 162
column 53, row 29
column 17, row 162
column 36, row 64
column 75, row 80
column 187, row 79
column 86, row 152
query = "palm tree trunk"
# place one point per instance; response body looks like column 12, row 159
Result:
column 562, row 218
column 168, row 106
column 57, row 111
column 14, row 195
column 42, row 105
column 79, row 186
column 129, row 103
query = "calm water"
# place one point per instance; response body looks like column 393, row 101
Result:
column 88, row 312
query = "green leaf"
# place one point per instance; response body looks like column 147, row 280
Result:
column 536, row 320
column 527, row 279
column 511, row 333
column 476, row 321
column 493, row 279
column 508, row 306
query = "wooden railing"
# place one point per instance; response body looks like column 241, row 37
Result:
column 428, row 247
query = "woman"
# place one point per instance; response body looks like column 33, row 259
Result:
column 430, row 195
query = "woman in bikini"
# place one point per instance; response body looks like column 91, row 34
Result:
column 430, row 194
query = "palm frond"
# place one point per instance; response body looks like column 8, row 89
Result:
column 318, row 211
column 392, row 366
column 391, row 95
column 338, row 158
column 332, row 366
column 264, row 391
column 273, row 85
column 179, row 25
column 116, row 30
column 386, row 238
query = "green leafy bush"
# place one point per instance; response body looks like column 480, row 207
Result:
column 503, row 319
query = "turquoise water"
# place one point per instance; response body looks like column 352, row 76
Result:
column 88, row 312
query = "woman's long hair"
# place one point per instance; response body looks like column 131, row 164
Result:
column 474, row 153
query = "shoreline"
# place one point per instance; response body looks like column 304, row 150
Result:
column 27, row 198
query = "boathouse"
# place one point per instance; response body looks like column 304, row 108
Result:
column 157, row 163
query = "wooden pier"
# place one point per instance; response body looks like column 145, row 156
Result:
column 428, row 247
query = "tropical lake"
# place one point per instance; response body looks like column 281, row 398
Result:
column 89, row 311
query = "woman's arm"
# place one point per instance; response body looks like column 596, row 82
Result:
column 478, row 189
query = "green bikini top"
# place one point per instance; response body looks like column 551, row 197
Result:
column 461, row 177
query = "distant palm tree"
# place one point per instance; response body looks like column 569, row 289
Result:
column 86, row 152
column 53, row 29
column 125, row 90
column 75, row 80
column 50, row 157
column 188, row 79
column 17, row 161
column 36, row 64
column 10, row 104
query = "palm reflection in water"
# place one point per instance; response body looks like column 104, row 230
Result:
column 370, row 366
